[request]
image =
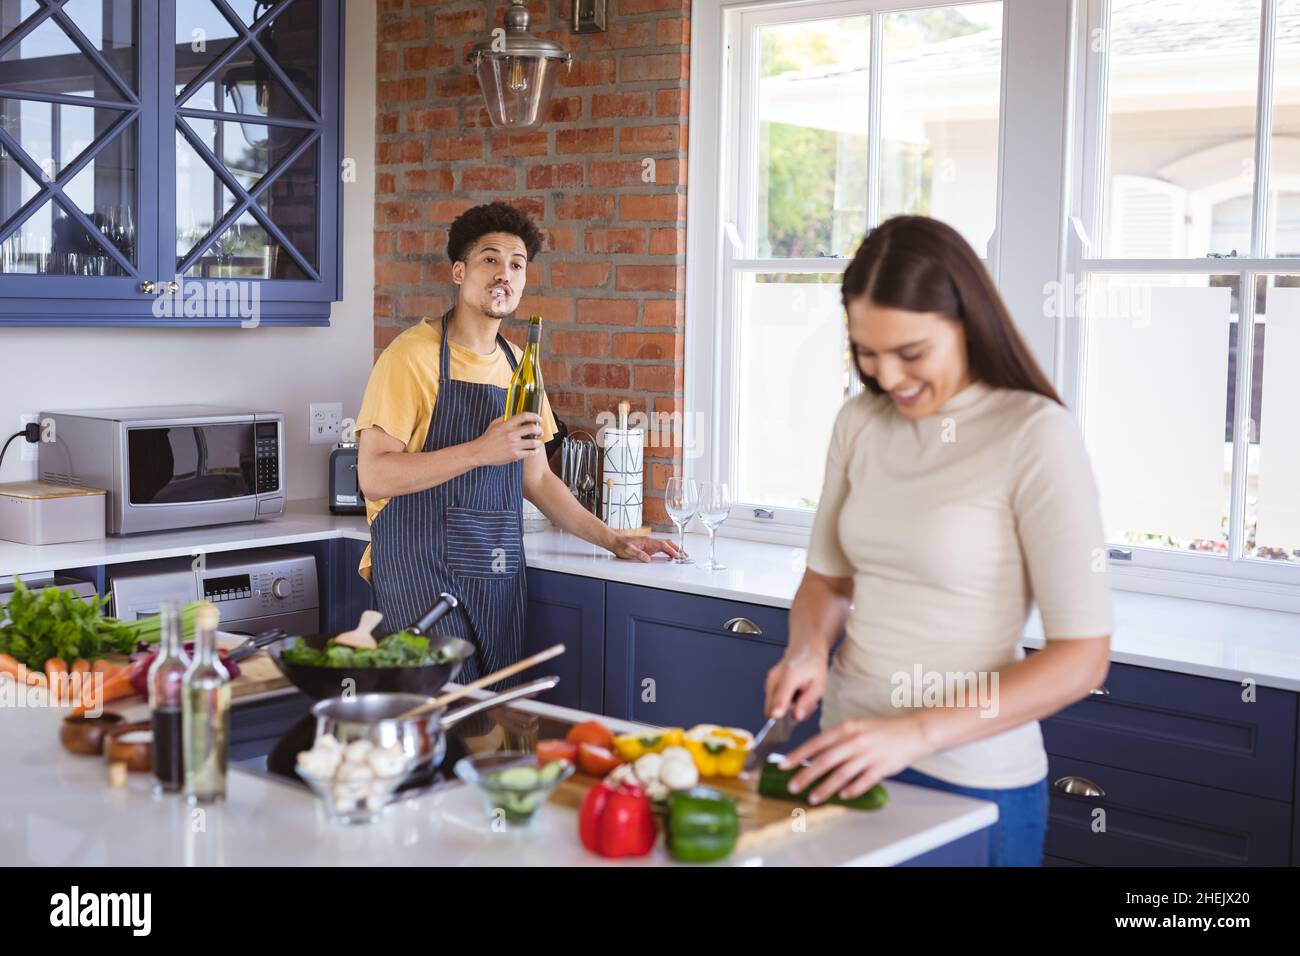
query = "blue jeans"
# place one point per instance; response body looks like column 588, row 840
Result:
column 1017, row 837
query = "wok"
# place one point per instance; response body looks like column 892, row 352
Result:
column 427, row 679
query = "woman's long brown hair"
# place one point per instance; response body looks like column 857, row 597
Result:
column 921, row 265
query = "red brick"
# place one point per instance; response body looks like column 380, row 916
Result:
column 658, row 378
column 386, row 61
column 429, row 57
column 672, row 31
column 585, row 206
column 567, row 274
column 667, row 312
column 566, row 404
column 402, row 90
column 649, row 278
column 532, row 206
column 442, row 212
column 629, row 34
column 520, row 144
column 411, row 242
column 584, row 141
column 384, row 335
column 625, row 241
column 667, row 242
column 555, row 372
column 461, row 84
column 653, row 513
column 615, row 173
column 607, row 311
column 383, row 304
column 476, row 116
column 383, row 244
column 586, row 344
column 601, row 375
column 556, row 309
column 385, row 184
column 651, row 139
column 653, row 66
column 387, row 122
column 591, row 72
column 608, row 105
column 561, row 239
column 565, row 109
column 404, row 28
column 668, row 207
column 655, row 346
column 424, row 305
column 489, row 179
column 434, row 120
column 629, row 7
column 397, row 273
column 428, row 180
column 437, row 271
column 473, row 20
column 460, row 146
column 401, row 151
column 396, row 213
column 674, row 102
column 555, row 176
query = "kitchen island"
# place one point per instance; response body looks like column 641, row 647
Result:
column 57, row 810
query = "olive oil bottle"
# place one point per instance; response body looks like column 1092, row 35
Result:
column 526, row 391
column 205, row 714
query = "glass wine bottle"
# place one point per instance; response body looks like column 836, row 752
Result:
column 526, row 391
column 205, row 714
column 166, row 679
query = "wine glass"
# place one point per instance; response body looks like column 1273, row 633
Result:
column 681, row 498
column 714, row 508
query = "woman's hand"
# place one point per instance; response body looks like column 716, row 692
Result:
column 799, row 678
column 641, row 548
column 857, row 754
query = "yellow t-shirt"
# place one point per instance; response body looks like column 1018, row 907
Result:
column 403, row 390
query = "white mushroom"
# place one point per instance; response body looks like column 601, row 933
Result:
column 358, row 750
column 648, row 768
column 679, row 774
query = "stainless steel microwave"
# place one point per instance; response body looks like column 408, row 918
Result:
column 170, row 467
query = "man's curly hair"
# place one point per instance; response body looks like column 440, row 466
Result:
column 473, row 224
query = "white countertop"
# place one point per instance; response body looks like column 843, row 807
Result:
column 58, row 811
column 1193, row 637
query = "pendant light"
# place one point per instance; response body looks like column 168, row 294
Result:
column 516, row 71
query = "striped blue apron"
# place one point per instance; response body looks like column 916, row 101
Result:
column 464, row 536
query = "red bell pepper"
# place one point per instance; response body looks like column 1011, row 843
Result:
column 617, row 821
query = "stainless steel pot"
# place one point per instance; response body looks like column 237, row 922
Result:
column 374, row 717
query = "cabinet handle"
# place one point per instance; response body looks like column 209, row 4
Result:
column 148, row 287
column 172, row 286
column 1102, row 691
column 742, row 625
column 1079, row 787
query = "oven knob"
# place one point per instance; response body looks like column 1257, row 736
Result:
column 280, row 588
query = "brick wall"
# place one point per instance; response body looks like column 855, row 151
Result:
column 611, row 279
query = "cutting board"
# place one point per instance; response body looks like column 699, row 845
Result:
column 762, row 819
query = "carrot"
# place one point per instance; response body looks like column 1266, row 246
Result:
column 37, row 679
column 119, row 685
column 102, row 666
column 80, row 666
column 9, row 665
column 56, row 671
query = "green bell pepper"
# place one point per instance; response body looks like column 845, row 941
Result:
column 701, row 825
column 775, row 782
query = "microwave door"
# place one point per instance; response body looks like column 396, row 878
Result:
column 190, row 464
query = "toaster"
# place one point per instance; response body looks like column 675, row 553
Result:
column 345, row 487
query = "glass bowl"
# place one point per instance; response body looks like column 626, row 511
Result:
column 513, row 786
column 348, row 802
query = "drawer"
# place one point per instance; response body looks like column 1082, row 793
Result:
column 1155, row 821
column 1195, row 729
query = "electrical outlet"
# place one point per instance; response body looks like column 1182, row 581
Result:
column 324, row 422
column 27, row 451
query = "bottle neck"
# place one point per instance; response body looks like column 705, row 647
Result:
column 205, row 646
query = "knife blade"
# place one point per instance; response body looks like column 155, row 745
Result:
column 772, row 735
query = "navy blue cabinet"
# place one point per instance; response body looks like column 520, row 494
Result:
column 678, row 659
column 170, row 162
column 570, row 610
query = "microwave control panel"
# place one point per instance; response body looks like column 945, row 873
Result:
column 267, row 439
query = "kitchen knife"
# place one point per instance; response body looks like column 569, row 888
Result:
column 772, row 735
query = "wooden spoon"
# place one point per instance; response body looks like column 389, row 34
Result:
column 439, row 702
column 360, row 636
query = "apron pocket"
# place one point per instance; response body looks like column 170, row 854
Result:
column 482, row 544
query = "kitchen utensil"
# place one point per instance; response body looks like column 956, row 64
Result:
column 85, row 735
column 131, row 744
column 360, row 636
column 378, row 719
column 427, row 679
column 555, row 650
column 771, row 736
column 256, row 643
column 516, row 803
column 579, row 468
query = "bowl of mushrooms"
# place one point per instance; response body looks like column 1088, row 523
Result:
column 354, row 780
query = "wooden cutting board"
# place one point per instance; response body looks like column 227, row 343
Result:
column 762, row 819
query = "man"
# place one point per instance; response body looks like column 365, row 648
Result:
column 444, row 476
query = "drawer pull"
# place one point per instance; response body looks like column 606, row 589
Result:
column 1079, row 787
column 742, row 625
column 1102, row 691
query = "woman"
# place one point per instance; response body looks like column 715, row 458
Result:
column 957, row 491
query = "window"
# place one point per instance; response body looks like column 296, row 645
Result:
column 1184, row 267
column 834, row 117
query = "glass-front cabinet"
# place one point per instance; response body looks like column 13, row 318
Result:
column 169, row 162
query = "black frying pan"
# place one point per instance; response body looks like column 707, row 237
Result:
column 322, row 682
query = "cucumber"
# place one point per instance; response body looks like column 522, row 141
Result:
column 518, row 778
column 551, row 771
column 775, row 782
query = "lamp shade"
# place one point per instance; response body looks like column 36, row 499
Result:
column 516, row 72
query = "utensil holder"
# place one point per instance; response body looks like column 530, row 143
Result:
column 624, row 477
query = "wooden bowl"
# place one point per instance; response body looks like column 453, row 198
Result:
column 132, row 744
column 85, row 735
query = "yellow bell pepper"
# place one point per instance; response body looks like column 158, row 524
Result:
column 718, row 751
column 632, row 746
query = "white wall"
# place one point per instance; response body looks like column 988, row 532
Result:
column 280, row 369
